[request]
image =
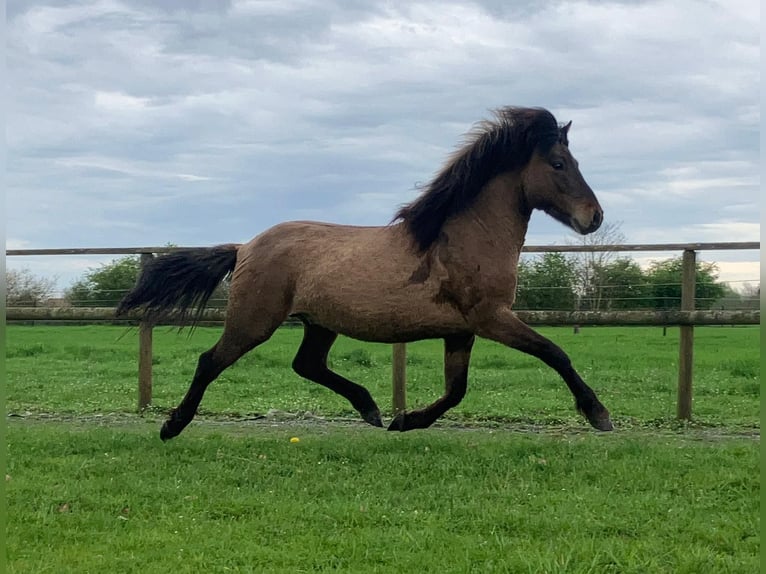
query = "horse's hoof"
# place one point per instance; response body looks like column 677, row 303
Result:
column 602, row 423
column 373, row 418
column 597, row 416
column 398, row 423
column 166, row 433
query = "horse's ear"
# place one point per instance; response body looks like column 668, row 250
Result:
column 563, row 133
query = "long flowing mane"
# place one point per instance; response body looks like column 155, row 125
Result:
column 504, row 143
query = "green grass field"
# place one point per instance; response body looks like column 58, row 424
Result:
column 512, row 481
column 633, row 370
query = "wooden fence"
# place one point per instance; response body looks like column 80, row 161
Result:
column 686, row 318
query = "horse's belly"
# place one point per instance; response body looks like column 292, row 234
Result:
column 386, row 318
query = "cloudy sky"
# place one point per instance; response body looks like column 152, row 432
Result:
column 148, row 122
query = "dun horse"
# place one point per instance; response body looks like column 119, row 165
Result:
column 444, row 268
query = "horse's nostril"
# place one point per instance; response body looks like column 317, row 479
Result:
column 597, row 217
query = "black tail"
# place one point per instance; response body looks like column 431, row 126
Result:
column 180, row 283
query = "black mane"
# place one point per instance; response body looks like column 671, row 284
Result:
column 503, row 144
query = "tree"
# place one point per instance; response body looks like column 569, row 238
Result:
column 589, row 264
column 620, row 284
column 664, row 278
column 749, row 297
column 546, row 282
column 105, row 286
column 24, row 289
column 750, row 291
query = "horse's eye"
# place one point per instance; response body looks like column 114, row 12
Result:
column 557, row 165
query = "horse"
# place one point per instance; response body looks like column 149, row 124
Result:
column 444, row 267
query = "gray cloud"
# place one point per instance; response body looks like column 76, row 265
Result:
column 201, row 122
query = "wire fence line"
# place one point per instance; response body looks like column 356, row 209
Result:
column 626, row 303
column 60, row 293
column 643, row 299
column 534, row 287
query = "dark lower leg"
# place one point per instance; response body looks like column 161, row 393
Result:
column 208, row 368
column 457, row 354
column 516, row 334
column 211, row 363
column 586, row 401
column 311, row 363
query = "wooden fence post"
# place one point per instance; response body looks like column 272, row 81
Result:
column 686, row 342
column 399, row 376
column 144, row 355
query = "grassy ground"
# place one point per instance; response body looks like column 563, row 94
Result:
column 634, row 371
column 236, row 498
column 90, row 487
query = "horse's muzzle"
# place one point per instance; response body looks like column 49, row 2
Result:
column 598, row 218
column 586, row 227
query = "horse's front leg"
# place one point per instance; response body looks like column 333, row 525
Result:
column 501, row 325
column 457, row 354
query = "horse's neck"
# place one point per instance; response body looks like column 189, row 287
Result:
column 496, row 224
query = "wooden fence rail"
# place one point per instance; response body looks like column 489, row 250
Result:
column 723, row 246
column 539, row 318
column 686, row 317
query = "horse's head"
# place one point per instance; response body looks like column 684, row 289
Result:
column 553, row 183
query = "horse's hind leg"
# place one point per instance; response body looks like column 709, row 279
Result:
column 247, row 326
column 311, row 363
column 211, row 363
column 457, row 355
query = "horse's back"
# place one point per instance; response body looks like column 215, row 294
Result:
column 354, row 280
column 306, row 247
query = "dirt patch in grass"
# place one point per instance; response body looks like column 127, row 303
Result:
column 300, row 421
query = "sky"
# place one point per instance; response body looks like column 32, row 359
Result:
column 147, row 123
